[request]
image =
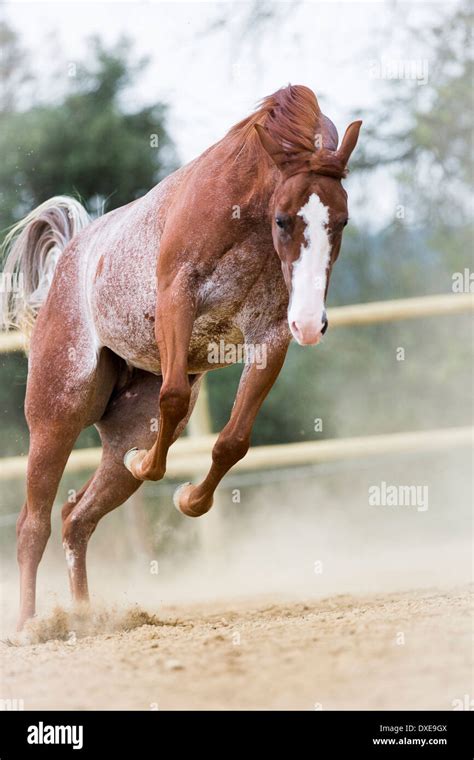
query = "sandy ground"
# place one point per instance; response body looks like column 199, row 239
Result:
column 409, row 650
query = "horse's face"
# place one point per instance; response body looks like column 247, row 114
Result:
column 309, row 213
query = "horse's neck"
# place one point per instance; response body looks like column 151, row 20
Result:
column 249, row 186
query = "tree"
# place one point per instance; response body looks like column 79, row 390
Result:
column 14, row 69
column 88, row 145
column 425, row 132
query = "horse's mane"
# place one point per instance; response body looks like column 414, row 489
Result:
column 292, row 117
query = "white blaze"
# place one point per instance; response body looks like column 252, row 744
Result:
column 310, row 270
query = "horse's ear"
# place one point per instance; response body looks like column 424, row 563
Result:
column 274, row 149
column 349, row 141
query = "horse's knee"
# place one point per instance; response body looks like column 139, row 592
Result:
column 228, row 450
column 174, row 402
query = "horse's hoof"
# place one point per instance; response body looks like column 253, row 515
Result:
column 128, row 457
column 177, row 497
column 182, row 498
column 132, row 459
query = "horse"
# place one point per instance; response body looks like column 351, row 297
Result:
column 119, row 312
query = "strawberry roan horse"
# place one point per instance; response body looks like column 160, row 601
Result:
column 237, row 246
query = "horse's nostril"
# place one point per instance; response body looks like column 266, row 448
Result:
column 295, row 329
column 325, row 325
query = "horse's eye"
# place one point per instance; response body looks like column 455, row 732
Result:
column 281, row 221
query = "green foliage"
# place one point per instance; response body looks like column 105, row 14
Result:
column 425, row 132
column 14, row 71
column 14, row 437
column 88, row 145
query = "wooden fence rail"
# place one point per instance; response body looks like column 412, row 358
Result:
column 192, row 455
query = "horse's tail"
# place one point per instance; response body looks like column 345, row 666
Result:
column 30, row 253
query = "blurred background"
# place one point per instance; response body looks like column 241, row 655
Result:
column 84, row 87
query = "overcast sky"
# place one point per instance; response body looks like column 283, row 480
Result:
column 210, row 80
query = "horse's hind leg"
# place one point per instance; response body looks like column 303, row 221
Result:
column 58, row 405
column 110, row 486
column 129, row 419
column 50, row 447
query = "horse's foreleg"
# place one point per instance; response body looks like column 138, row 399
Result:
column 234, row 440
column 174, row 323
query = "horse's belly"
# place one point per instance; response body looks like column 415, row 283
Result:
column 134, row 340
column 124, row 315
column 124, row 306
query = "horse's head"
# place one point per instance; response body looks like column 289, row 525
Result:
column 309, row 213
